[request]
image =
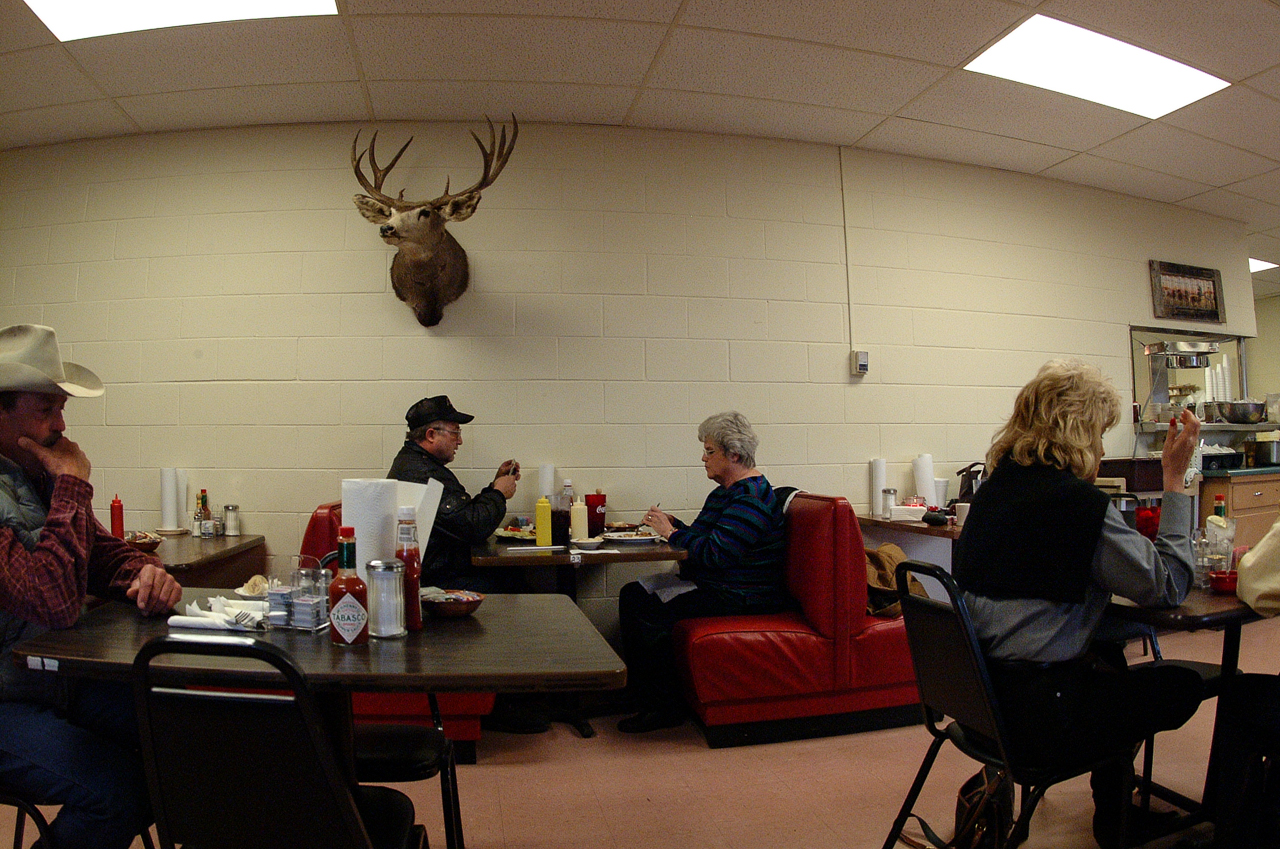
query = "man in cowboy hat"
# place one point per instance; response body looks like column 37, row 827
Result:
column 435, row 434
column 59, row 744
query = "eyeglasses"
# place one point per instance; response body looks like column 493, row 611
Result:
column 455, row 433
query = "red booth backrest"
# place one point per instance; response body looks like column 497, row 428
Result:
column 321, row 536
column 824, row 548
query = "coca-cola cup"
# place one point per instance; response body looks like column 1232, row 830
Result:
column 595, row 514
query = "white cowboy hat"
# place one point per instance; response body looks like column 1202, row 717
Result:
column 30, row 362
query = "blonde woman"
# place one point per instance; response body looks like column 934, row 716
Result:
column 1042, row 552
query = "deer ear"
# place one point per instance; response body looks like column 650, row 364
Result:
column 461, row 207
column 376, row 212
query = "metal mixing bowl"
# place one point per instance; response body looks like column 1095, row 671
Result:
column 1242, row 412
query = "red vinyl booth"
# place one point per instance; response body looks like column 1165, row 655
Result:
column 827, row 668
column 460, row 712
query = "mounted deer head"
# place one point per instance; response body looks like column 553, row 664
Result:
column 430, row 267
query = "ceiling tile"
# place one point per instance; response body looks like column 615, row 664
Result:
column 282, row 50
column 416, row 100
column 1265, row 289
column 1232, row 39
column 94, row 119
column 42, row 76
column 1257, row 215
column 511, row 49
column 657, row 11
column 1262, row 187
column 20, row 28
column 1169, row 150
column 1127, row 179
column 935, row 141
column 945, row 32
column 233, row 107
column 1237, row 116
column 774, row 69
column 681, row 110
column 1004, row 108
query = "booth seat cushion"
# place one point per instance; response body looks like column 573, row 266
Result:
column 828, row 658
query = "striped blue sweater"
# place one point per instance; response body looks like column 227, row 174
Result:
column 737, row 545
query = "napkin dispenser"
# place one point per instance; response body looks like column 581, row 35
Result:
column 905, row 513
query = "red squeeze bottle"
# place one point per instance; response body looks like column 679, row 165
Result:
column 117, row 517
column 348, row 596
column 408, row 554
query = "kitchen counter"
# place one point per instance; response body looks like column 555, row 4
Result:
column 1252, row 497
column 1242, row 473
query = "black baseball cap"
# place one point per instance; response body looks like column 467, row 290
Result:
column 437, row 408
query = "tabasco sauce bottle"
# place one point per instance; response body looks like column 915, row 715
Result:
column 348, row 596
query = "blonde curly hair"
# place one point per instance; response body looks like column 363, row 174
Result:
column 1059, row 418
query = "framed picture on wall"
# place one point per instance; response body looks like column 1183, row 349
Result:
column 1186, row 291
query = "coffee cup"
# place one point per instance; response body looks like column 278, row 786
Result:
column 962, row 512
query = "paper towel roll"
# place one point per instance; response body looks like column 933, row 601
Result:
column 546, row 479
column 169, row 499
column 369, row 506
column 923, row 468
column 181, row 495
column 877, row 484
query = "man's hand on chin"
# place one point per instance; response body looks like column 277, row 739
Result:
column 155, row 590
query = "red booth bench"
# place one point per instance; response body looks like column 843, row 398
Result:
column 827, row 668
column 459, row 712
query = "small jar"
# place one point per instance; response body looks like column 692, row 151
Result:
column 386, row 598
column 231, row 519
column 888, row 500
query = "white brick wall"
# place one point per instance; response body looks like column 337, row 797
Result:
column 625, row 285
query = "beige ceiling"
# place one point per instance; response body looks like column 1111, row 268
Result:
column 875, row 74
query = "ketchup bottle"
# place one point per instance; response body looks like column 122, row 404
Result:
column 348, row 596
column 117, row 517
column 408, row 554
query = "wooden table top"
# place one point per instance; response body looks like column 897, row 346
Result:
column 1202, row 609
column 951, row 532
column 185, row 551
column 498, row 551
column 512, row 643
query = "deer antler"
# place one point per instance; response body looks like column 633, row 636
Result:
column 380, row 174
column 495, row 159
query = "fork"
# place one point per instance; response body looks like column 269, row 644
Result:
column 248, row 620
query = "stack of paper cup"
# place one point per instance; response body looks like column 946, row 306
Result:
column 922, row 466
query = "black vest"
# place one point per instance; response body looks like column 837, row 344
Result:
column 1031, row 533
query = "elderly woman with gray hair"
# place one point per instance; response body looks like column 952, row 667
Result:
column 736, row 555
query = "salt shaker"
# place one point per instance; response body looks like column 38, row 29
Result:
column 888, row 500
column 231, row 519
column 386, row 598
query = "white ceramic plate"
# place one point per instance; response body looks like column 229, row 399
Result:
column 259, row 597
column 631, row 537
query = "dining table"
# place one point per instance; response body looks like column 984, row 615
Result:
column 1202, row 610
column 225, row 561
column 500, row 551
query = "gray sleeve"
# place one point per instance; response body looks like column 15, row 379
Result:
column 1149, row 574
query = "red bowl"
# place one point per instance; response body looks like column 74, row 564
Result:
column 1223, row 582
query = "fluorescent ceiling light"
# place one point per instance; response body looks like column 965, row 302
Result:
column 1064, row 58
column 1256, row 265
column 72, row 19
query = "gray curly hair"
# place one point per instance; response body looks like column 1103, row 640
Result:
column 733, row 434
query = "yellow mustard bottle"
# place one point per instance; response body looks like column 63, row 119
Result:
column 542, row 520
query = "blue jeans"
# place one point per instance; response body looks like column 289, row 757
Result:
column 86, row 760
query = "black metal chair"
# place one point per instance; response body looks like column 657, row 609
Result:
column 229, row 765
column 25, row 809
column 952, row 677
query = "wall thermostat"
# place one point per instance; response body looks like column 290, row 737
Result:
column 859, row 363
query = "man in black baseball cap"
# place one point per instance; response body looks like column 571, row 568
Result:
column 433, row 440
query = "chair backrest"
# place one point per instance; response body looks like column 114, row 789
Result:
column 231, row 767
column 321, row 536
column 951, row 673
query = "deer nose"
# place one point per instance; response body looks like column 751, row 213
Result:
column 387, row 230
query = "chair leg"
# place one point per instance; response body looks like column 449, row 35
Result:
column 912, row 794
column 452, row 807
column 19, row 826
column 1031, row 797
